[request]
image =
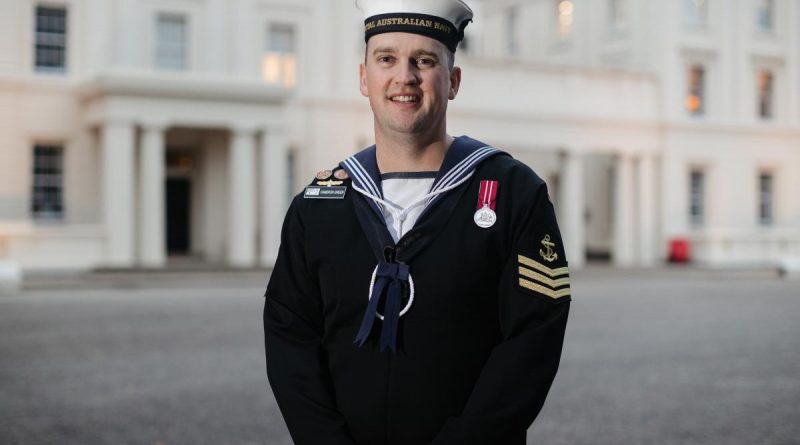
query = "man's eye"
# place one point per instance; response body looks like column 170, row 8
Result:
column 425, row 62
column 385, row 59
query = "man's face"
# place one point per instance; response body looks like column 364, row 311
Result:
column 408, row 81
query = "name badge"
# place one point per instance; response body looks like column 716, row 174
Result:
column 333, row 192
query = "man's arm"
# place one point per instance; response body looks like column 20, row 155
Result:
column 533, row 299
column 293, row 328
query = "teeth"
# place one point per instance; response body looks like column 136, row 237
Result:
column 405, row 99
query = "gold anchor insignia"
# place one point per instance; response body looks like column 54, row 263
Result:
column 549, row 255
column 329, row 183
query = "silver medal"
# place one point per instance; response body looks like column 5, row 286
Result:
column 485, row 217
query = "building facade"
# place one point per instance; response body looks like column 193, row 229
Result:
column 135, row 132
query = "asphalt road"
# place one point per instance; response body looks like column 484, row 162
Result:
column 651, row 357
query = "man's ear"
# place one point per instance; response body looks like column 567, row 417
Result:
column 455, row 82
column 362, row 80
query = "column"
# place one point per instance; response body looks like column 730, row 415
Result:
column 118, row 194
column 624, row 226
column 274, row 191
column 571, row 203
column 151, row 195
column 241, row 189
column 647, row 210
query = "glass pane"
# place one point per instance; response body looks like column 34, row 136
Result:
column 47, row 193
column 765, row 93
column 281, row 38
column 50, row 38
column 696, row 197
column 766, row 14
column 565, row 10
column 617, row 13
column 171, row 43
column 695, row 97
column 696, row 13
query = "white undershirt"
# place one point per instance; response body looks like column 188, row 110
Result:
column 402, row 190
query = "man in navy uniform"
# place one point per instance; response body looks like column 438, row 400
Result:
column 421, row 291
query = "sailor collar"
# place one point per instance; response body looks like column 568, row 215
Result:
column 460, row 161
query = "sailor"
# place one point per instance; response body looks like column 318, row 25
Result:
column 421, row 292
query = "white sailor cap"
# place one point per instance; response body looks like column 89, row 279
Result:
column 443, row 20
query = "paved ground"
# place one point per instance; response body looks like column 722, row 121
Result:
column 651, row 357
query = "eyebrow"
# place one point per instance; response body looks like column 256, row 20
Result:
column 384, row 49
column 424, row 52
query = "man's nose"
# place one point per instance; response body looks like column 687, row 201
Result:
column 408, row 74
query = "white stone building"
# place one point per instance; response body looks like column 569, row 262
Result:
column 137, row 131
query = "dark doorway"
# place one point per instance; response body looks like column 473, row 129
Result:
column 178, row 215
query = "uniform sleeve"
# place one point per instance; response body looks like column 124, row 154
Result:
column 293, row 328
column 534, row 298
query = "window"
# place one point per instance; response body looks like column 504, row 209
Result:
column 279, row 65
column 617, row 14
column 765, row 198
column 696, row 13
column 766, row 15
column 51, row 39
column 765, row 93
column 564, row 11
column 171, row 42
column 512, row 42
column 47, row 197
column 697, row 197
column 695, row 95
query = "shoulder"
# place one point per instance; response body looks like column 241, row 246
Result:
column 327, row 185
column 514, row 174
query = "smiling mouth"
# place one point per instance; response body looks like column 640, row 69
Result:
column 408, row 99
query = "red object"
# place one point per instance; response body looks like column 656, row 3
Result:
column 487, row 194
column 680, row 250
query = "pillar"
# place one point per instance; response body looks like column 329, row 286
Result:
column 648, row 209
column 274, row 191
column 151, row 195
column 118, row 194
column 571, row 203
column 624, row 241
column 241, row 189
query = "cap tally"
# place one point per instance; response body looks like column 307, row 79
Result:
column 443, row 20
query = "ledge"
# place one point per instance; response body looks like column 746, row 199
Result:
column 181, row 86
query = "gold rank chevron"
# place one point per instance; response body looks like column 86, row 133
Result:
column 547, row 279
column 541, row 267
column 543, row 279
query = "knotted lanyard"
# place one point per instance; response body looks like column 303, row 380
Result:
column 390, row 278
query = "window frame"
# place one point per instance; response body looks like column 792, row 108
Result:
column 279, row 65
column 511, row 25
column 564, row 28
column 618, row 15
column 766, row 198
column 159, row 44
column 696, row 14
column 697, row 196
column 39, row 35
column 698, row 91
column 47, row 182
column 770, row 8
column 765, row 106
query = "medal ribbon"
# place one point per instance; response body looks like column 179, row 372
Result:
column 487, row 194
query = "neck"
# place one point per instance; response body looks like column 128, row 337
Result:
column 411, row 153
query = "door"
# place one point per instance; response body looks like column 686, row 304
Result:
column 178, row 215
